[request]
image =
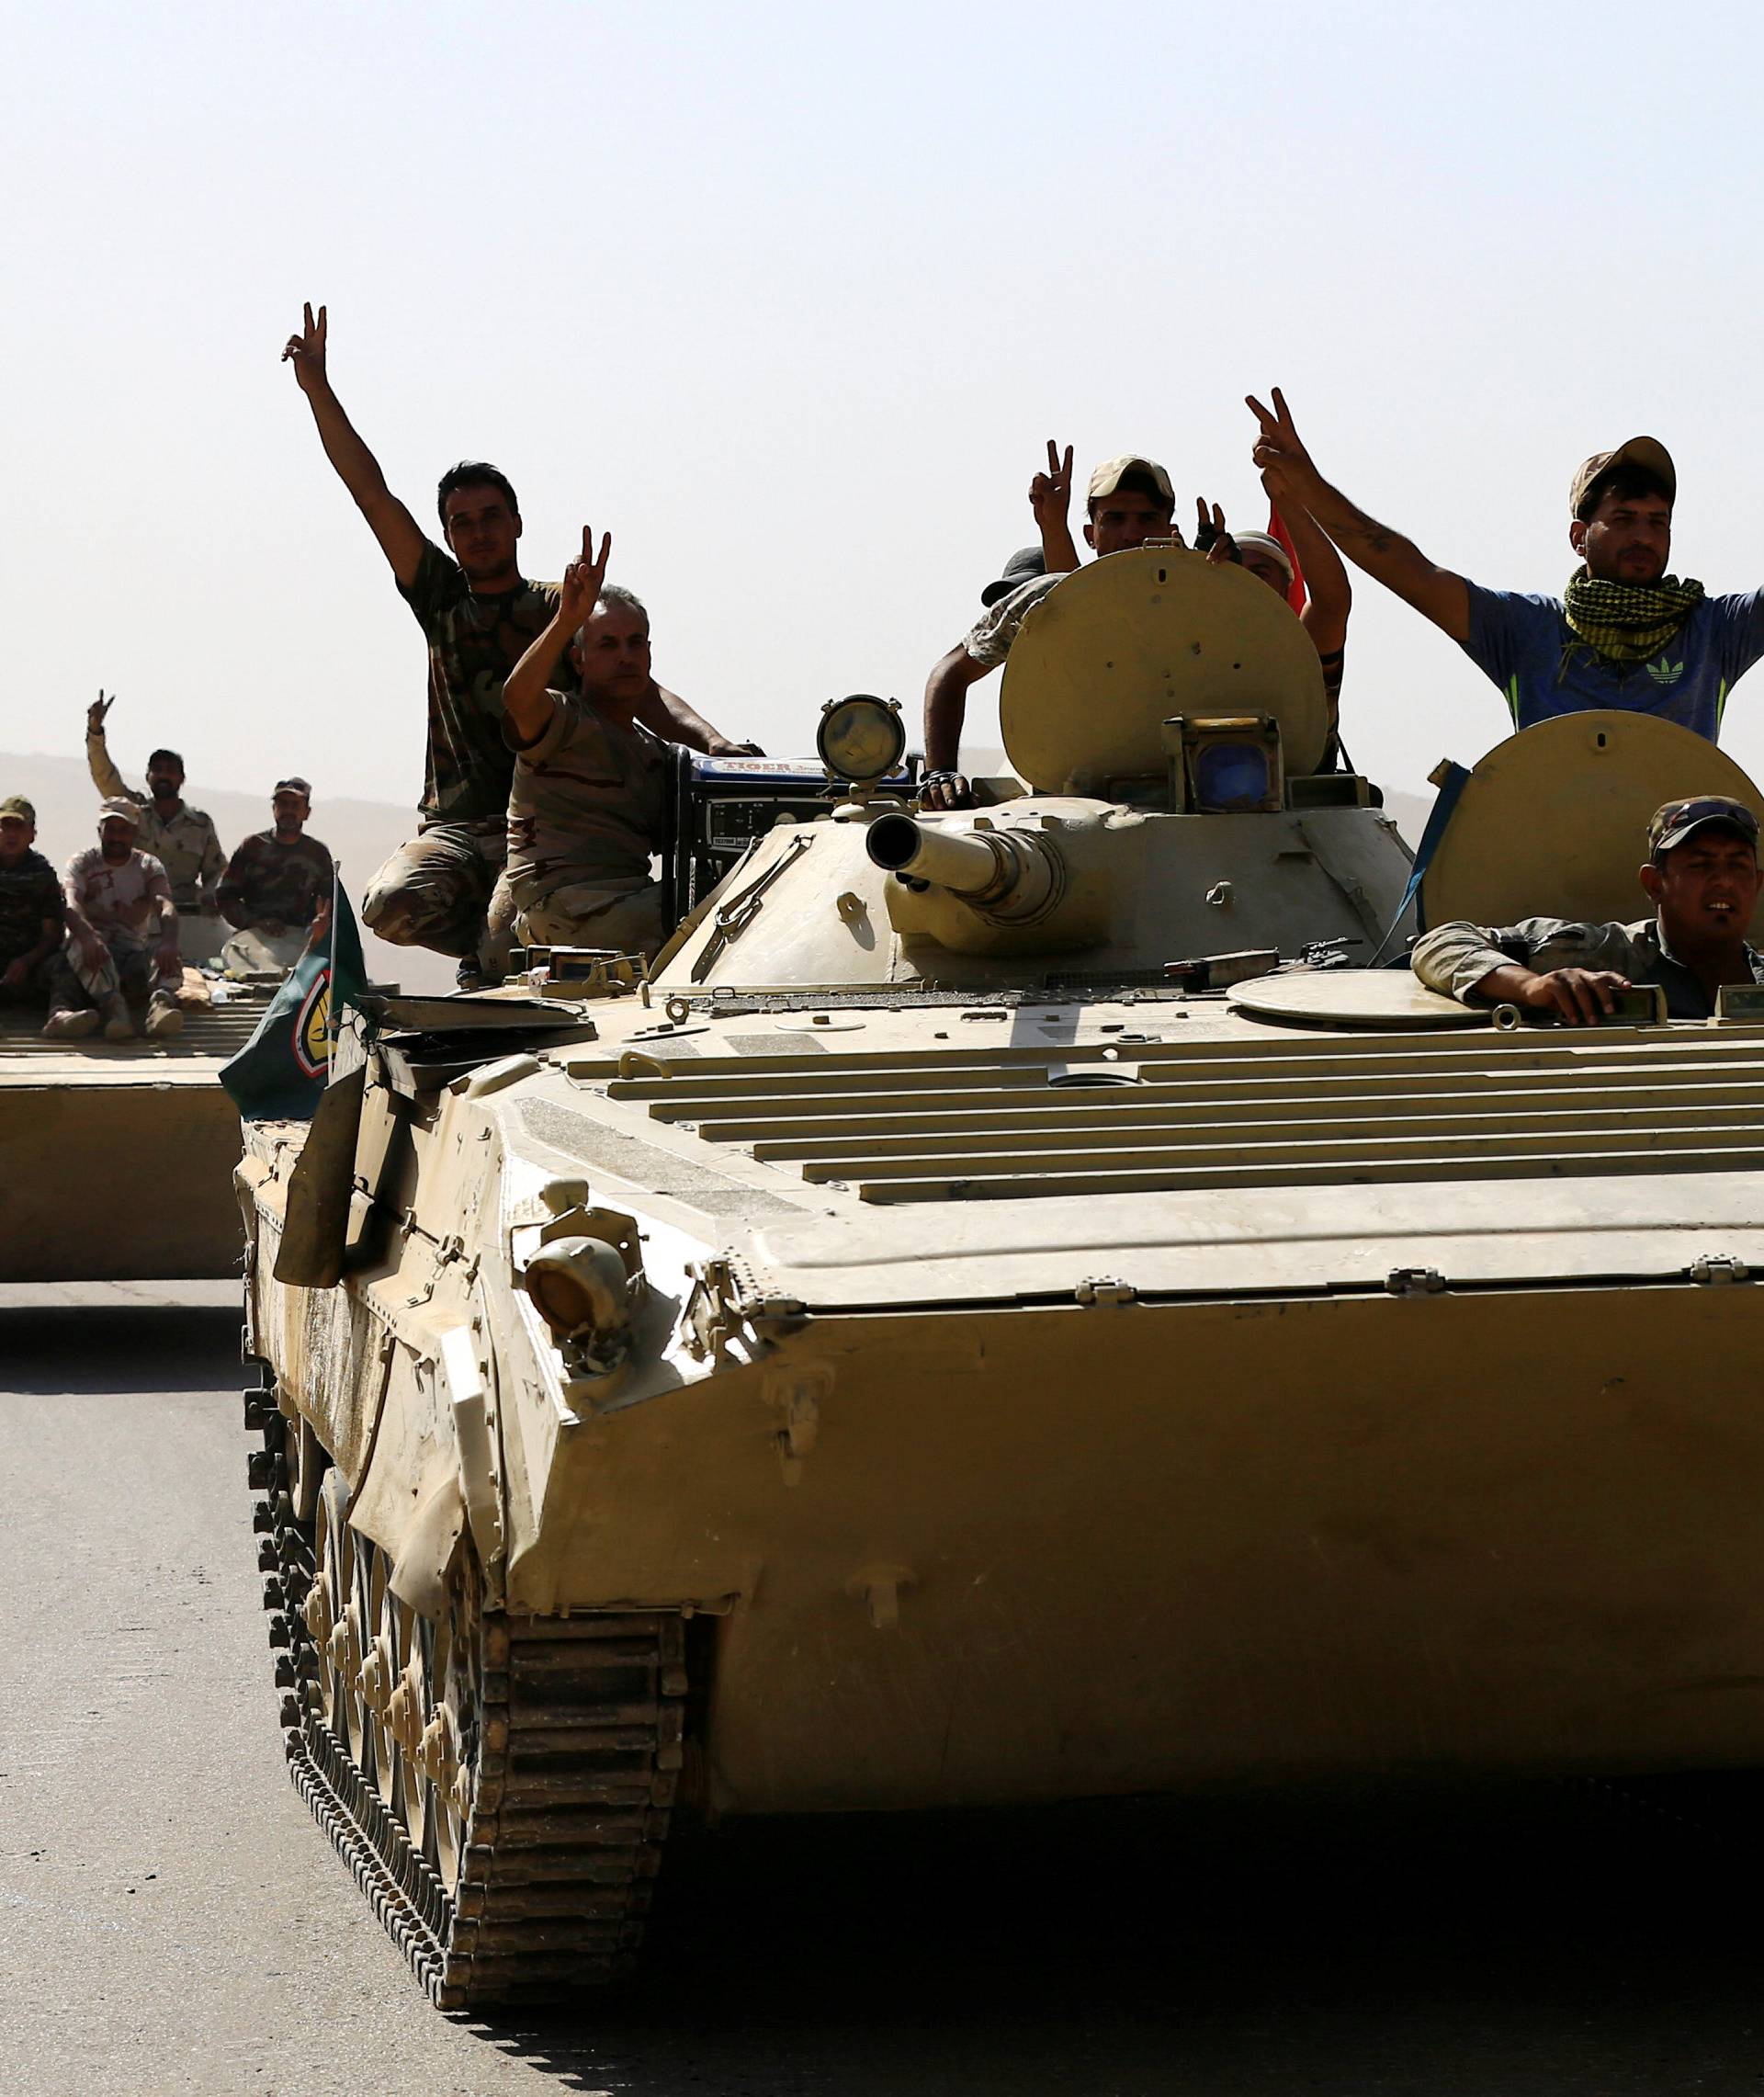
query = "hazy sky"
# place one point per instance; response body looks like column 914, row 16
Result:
column 790, row 298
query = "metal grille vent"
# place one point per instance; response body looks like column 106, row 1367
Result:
column 1025, row 1122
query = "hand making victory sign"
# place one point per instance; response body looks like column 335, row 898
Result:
column 96, row 712
column 1211, row 537
column 1287, row 472
column 582, row 578
column 305, row 351
column 1050, row 500
column 528, row 700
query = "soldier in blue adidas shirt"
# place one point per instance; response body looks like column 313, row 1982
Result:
column 1624, row 633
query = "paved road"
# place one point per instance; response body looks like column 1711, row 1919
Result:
column 171, row 1920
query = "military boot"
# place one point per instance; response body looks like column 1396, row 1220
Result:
column 117, row 1026
column 68, row 1022
column 163, row 1018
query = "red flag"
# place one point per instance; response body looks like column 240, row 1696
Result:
column 1295, row 593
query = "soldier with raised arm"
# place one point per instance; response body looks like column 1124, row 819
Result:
column 1623, row 633
column 478, row 615
column 588, row 804
column 181, row 838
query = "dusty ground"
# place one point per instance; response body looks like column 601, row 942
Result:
column 171, row 1920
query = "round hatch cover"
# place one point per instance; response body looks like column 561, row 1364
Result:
column 1553, row 820
column 1113, row 651
column 1352, row 997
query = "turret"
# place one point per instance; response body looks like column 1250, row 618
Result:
column 1166, row 718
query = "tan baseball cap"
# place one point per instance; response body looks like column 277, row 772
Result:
column 116, row 805
column 20, row 808
column 1647, row 452
column 1109, row 476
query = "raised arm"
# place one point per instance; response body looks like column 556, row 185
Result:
column 401, row 537
column 666, row 714
column 1050, row 498
column 1329, row 595
column 527, row 697
column 98, row 760
column 1294, row 483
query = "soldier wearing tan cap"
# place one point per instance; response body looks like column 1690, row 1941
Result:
column 1625, row 633
column 121, row 937
column 1129, row 502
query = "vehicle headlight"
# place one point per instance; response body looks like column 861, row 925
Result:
column 861, row 738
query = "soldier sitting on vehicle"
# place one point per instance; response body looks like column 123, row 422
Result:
column 181, row 838
column 1703, row 877
column 31, row 910
column 1130, row 501
column 477, row 612
column 272, row 887
column 121, row 937
column 589, row 803
column 1623, row 633
column 1327, row 592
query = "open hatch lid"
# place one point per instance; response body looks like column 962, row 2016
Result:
column 1121, row 646
column 1552, row 822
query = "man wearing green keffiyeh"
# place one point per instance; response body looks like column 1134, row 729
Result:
column 1623, row 634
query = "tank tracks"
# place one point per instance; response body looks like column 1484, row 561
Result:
column 577, row 1750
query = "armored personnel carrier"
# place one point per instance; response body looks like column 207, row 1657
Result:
column 119, row 1156
column 986, row 1323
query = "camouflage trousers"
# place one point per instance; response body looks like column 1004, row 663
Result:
column 619, row 911
column 130, row 966
column 441, row 892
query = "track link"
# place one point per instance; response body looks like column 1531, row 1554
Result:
column 578, row 1747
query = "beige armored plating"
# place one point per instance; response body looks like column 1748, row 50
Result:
column 120, row 1156
column 921, row 1353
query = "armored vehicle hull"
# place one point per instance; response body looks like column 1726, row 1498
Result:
column 979, row 1327
column 994, row 1430
column 120, row 1156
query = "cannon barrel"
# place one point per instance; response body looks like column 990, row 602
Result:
column 1006, row 873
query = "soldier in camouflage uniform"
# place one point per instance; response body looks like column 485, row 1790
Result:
column 273, row 887
column 30, row 906
column 181, row 838
column 121, row 937
column 478, row 614
column 589, row 803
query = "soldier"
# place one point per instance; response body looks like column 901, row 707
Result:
column 181, row 838
column 121, row 937
column 30, row 906
column 1130, row 501
column 478, row 614
column 1623, row 634
column 1327, row 594
column 274, row 886
column 589, row 801
column 1701, row 876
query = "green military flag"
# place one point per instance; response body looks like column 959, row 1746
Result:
column 280, row 1073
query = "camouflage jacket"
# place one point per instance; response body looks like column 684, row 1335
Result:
column 588, row 799
column 1453, row 958
column 268, row 882
column 29, row 892
column 125, row 895
column 474, row 641
column 185, row 843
